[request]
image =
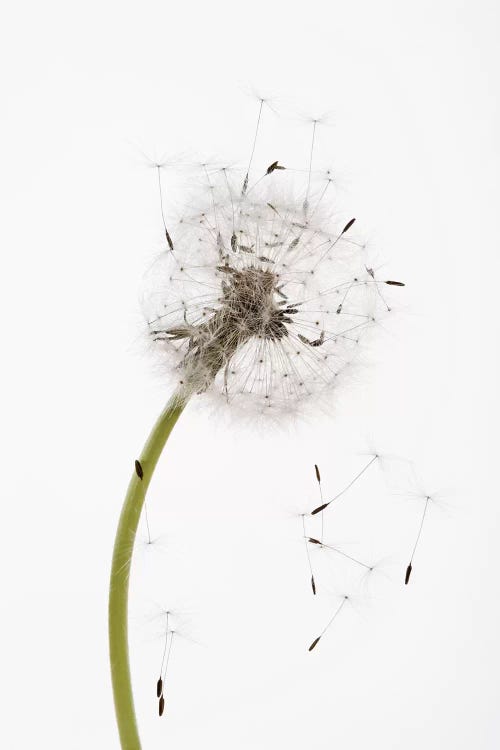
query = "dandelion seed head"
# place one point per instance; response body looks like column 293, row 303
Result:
column 263, row 296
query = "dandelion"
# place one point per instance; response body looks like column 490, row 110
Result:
column 323, row 507
column 330, row 622
column 410, row 565
column 257, row 299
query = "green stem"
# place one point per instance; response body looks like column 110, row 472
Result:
column 120, row 572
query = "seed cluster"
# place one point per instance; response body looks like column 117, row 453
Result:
column 263, row 294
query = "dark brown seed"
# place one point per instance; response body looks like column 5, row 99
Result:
column 348, row 226
column 234, row 244
column 161, row 705
column 314, row 541
column 318, row 477
column 408, row 574
column 169, row 240
column 138, row 469
column 159, row 687
column 319, row 509
column 313, row 585
column 273, row 166
column 314, row 643
column 320, row 341
column 395, row 283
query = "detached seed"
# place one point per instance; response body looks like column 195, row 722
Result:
column 314, row 643
column 408, row 574
column 138, row 469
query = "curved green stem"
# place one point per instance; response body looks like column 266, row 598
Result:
column 120, row 572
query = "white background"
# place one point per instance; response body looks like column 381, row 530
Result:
column 413, row 92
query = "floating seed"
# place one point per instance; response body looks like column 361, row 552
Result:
column 313, row 585
column 314, row 541
column 138, row 469
column 409, row 568
column 319, row 509
column 318, row 477
column 394, row 283
column 314, row 643
column 408, row 574
column 161, row 705
column 159, row 687
column 273, row 166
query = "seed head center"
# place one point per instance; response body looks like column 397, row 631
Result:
column 249, row 304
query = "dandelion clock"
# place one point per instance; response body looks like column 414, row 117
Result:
column 261, row 299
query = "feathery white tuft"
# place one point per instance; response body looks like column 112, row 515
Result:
column 261, row 295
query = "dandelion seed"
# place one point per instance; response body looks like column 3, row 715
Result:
column 161, row 705
column 272, row 167
column 348, row 226
column 409, row 568
column 395, row 283
column 337, row 611
column 245, row 181
column 138, row 469
column 339, row 551
column 318, row 478
column 408, row 573
column 321, row 508
column 159, row 684
column 169, row 240
column 167, row 235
